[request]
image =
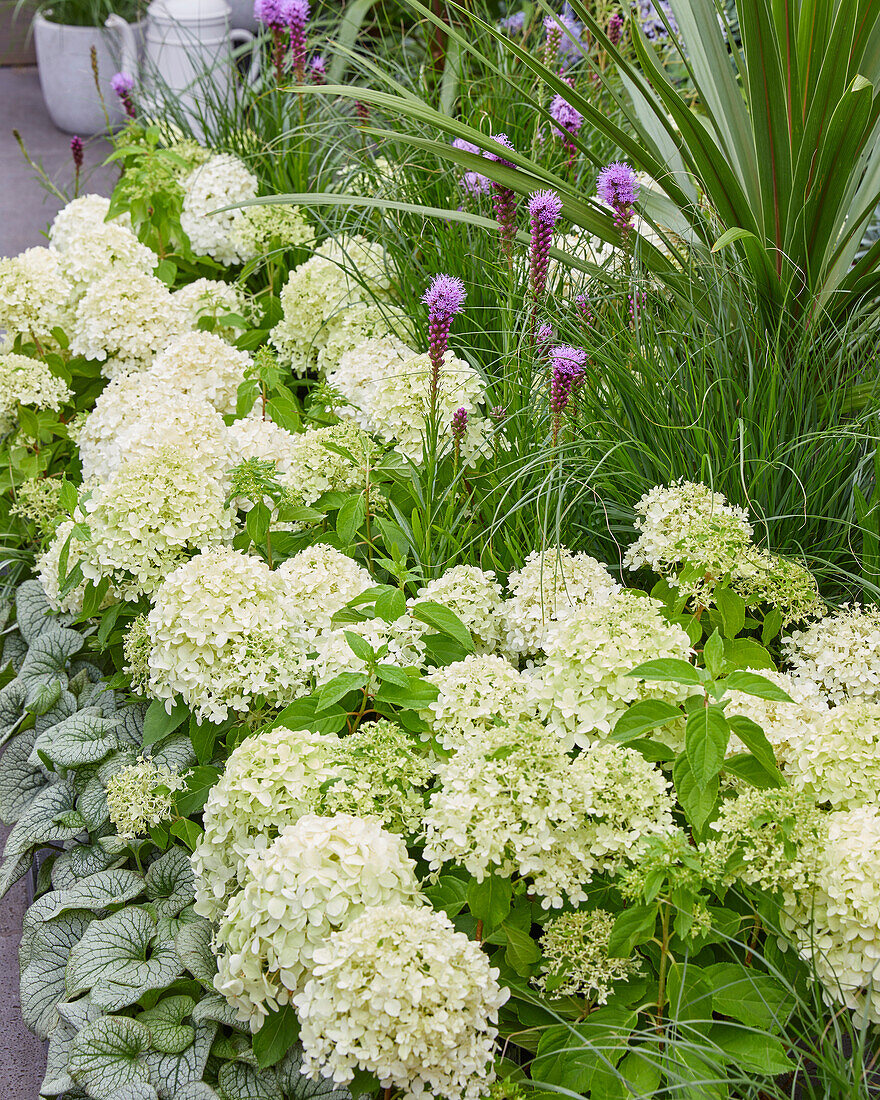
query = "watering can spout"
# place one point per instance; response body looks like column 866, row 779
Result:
column 127, row 43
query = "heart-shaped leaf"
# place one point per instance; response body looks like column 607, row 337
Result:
column 43, row 978
column 83, row 738
column 169, row 1073
column 47, row 658
column 240, row 1082
column 36, row 826
column 171, row 884
column 296, row 1086
column 99, row 891
column 193, row 943
column 164, row 1021
column 33, row 613
column 108, row 1055
column 20, row 781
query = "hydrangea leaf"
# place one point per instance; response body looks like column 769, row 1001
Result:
column 217, row 1008
column 20, row 781
column 168, row 1033
column 35, row 827
column 193, row 943
column 79, row 862
column 33, row 613
column 48, row 656
column 171, row 884
column 82, row 738
column 119, row 960
column 107, row 1055
column 297, row 1087
column 43, row 979
column 170, row 1072
column 240, row 1082
column 98, row 891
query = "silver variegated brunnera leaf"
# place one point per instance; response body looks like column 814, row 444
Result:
column 164, row 1021
column 240, row 1082
column 43, row 977
column 83, row 738
column 194, row 949
column 171, row 884
column 20, row 781
column 47, row 658
column 170, row 1072
column 36, row 827
column 297, row 1087
column 108, row 1055
column 33, row 613
column 103, row 890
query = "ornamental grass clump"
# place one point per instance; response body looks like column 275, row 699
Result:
column 402, row 995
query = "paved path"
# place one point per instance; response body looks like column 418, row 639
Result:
column 25, row 212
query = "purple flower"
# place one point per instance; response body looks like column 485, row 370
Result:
column 76, row 150
column 615, row 28
column 475, row 184
column 618, row 188
column 649, row 16
column 568, row 118
column 582, row 304
column 445, row 300
column 318, row 69
column 513, row 24
column 459, row 425
column 504, row 200
column 465, row 146
column 563, row 39
column 567, row 368
column 268, row 12
column 637, row 303
column 122, row 83
column 545, row 334
column 545, row 207
column 296, row 15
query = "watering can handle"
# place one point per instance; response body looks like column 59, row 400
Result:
column 239, row 38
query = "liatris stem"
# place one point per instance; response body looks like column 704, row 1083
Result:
column 279, row 49
column 76, row 151
column 122, row 84
column 637, row 302
column 445, row 300
column 504, row 201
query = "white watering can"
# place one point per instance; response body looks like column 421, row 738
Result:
column 188, row 54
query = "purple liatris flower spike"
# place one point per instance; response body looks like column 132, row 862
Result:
column 459, row 424
column 615, row 28
column 568, row 122
column 318, row 70
column 545, row 208
column 582, row 304
column 122, row 84
column 296, row 16
column 513, row 24
column 76, row 151
column 545, row 334
column 268, row 12
column 504, row 200
column 445, row 300
column 553, row 36
column 618, row 188
column 637, row 303
column 567, row 368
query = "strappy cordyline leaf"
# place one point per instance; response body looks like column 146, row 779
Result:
column 108, row 1055
column 164, row 1021
column 83, row 738
column 42, row 980
column 297, row 1087
column 20, row 781
column 33, row 613
column 171, row 884
column 193, row 943
column 171, row 1072
column 35, row 827
column 119, row 959
column 96, row 892
column 240, row 1082
column 47, row 658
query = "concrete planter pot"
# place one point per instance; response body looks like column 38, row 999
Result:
column 65, row 67
column 241, row 15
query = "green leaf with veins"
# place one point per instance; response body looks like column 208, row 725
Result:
column 107, row 1055
column 43, row 984
column 171, row 884
column 99, row 891
column 168, row 1033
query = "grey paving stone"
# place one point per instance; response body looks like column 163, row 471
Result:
column 26, row 209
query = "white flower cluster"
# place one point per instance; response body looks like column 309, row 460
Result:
column 355, row 325
column 514, row 802
column 399, row 993
column 82, row 216
column 841, row 653
column 108, row 248
column 222, row 632
column 270, row 226
column 211, row 299
column 838, row 759
column 138, row 414
column 48, row 566
column 323, row 288
column 397, row 643
column 317, row 876
column 222, row 181
column 34, row 297
column 837, row 925
column 475, row 597
column 787, row 725
column 475, row 694
column 576, row 960
column 585, row 685
column 317, row 467
column 551, row 584
column 320, row 581
column 140, row 796
column 153, row 513
column 126, row 318
column 25, row 381
column 388, row 386
column 203, row 365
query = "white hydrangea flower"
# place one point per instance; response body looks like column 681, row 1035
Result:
column 837, row 925
column 687, row 522
column 222, row 633
column 584, row 687
column 838, row 758
column 513, row 802
column 841, row 652
column 211, row 298
column 319, row 581
column 254, row 436
column 551, row 584
column 138, row 414
column 786, row 725
column 126, row 319
column 475, row 694
column 134, row 799
column 402, row 641
column 271, row 779
column 83, row 215
column 153, row 513
column 399, row 993
column 342, row 273
column 25, row 381
column 316, row 469
column 576, row 961
column 388, row 385
column 106, row 249
column 203, row 365
column 222, row 180
column 35, row 298
column 318, row 876
column 47, row 568
column 475, row 597
column 270, row 225
column 351, row 327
